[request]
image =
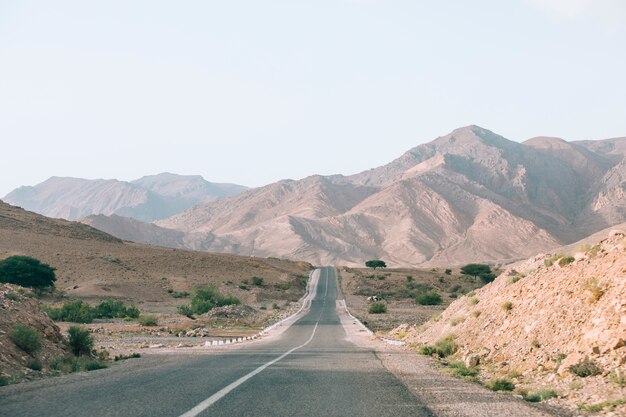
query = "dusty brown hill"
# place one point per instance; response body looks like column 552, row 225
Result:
column 17, row 307
column 93, row 265
column 543, row 316
column 148, row 198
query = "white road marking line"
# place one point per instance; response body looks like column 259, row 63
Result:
column 224, row 391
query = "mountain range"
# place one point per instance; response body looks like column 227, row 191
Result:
column 149, row 198
column 468, row 196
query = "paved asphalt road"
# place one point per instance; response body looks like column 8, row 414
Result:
column 311, row 370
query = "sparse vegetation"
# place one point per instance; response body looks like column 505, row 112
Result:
column 442, row 348
column 608, row 405
column 4, row 381
column 275, row 306
column 207, row 298
column 26, row 338
column 258, row 281
column 81, row 342
column 473, row 301
column 540, row 395
column 585, row 368
column 124, row 357
column 476, row 313
column 448, row 271
column 34, row 364
column 457, row 320
column 566, row 260
column 595, row 288
column 26, row 272
column 617, row 377
column 80, row 312
column 500, row 384
column 428, row 298
column 507, row 306
column 459, row 369
column 377, row 308
column 69, row 364
column 148, row 321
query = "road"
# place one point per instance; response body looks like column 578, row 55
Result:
column 310, row 370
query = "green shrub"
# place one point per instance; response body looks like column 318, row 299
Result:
column 585, row 368
column 183, row 294
column 27, row 272
column 80, row 312
column 448, row 271
column 148, row 321
column 72, row 311
column 459, row 369
column 81, row 342
column 377, row 308
column 92, row 365
column 507, row 306
column 26, row 338
column 244, row 287
column 207, row 298
column 185, row 310
column 566, row 260
column 501, row 385
column 115, row 309
column 444, row 347
column 487, row 278
column 124, row 357
column 34, row 364
column 275, row 306
column 540, row 395
column 428, row 298
column 258, row 281
column 4, row 381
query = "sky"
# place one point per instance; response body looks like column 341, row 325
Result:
column 251, row 92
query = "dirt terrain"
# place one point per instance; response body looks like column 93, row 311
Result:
column 92, row 266
column 398, row 289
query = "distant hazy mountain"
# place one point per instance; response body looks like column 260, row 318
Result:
column 470, row 195
column 149, row 198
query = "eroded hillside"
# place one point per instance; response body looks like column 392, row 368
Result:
column 544, row 322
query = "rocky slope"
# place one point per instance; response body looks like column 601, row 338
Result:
column 468, row 196
column 543, row 316
column 17, row 307
column 148, row 198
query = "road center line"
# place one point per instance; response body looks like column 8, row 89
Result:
column 224, row 391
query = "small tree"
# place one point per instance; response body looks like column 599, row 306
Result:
column 27, row 272
column 475, row 270
column 375, row 263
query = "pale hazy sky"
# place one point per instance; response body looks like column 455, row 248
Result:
column 255, row 91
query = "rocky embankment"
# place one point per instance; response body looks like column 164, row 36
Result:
column 553, row 322
column 32, row 359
